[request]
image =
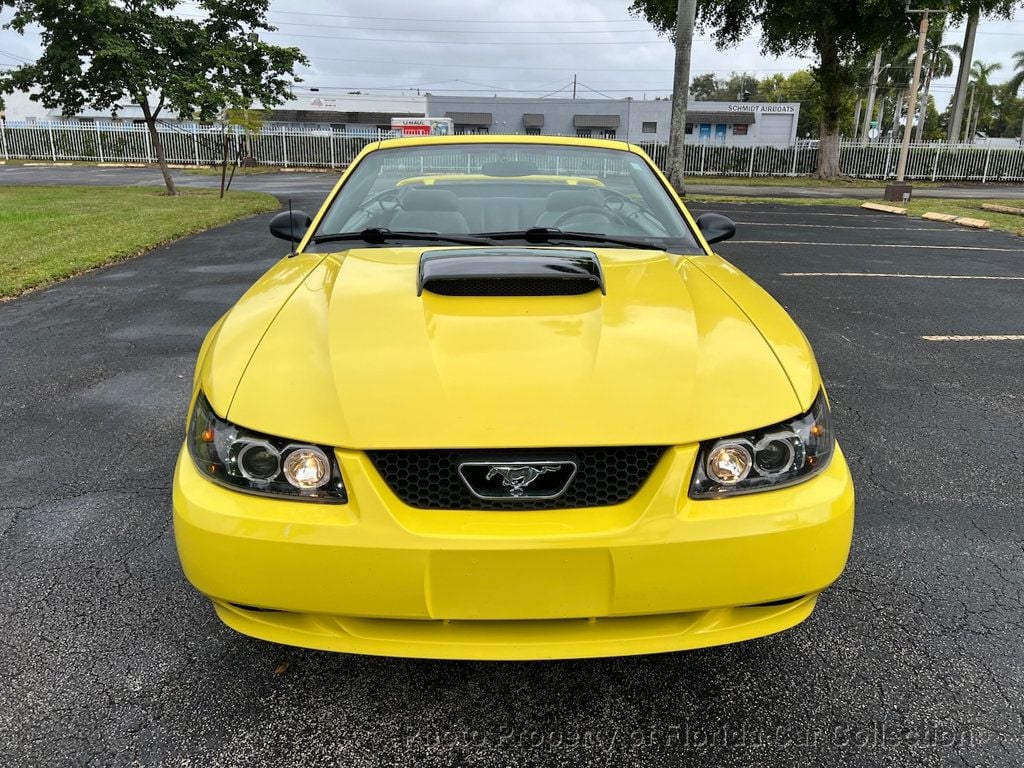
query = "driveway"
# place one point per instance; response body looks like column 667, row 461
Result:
column 913, row 658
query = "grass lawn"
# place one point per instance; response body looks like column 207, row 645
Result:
column 1004, row 222
column 49, row 233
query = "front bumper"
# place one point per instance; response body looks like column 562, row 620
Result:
column 660, row 572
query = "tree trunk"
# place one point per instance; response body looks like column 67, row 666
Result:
column 685, row 13
column 158, row 147
column 828, row 155
column 963, row 76
column 833, row 89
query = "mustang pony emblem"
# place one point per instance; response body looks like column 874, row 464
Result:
column 517, row 476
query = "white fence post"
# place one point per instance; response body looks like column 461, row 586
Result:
column 149, row 145
column 750, row 169
column 703, row 149
column 195, row 144
column 935, row 165
column 796, row 148
column 53, row 151
column 99, row 142
column 3, row 140
column 332, row 148
column 284, row 147
column 988, row 155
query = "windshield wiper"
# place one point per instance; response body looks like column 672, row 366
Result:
column 549, row 235
column 380, row 235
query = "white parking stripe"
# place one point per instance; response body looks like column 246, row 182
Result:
column 842, row 226
column 892, row 274
column 973, row 338
column 880, row 245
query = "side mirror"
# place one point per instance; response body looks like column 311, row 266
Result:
column 715, row 227
column 290, row 225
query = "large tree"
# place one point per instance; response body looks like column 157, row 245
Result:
column 839, row 34
column 103, row 53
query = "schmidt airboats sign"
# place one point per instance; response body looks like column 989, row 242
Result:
column 765, row 109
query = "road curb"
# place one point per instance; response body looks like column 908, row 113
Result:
column 995, row 207
column 963, row 221
column 885, row 208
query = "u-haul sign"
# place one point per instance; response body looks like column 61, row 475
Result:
column 422, row 126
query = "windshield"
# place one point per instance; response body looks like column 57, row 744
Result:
column 491, row 189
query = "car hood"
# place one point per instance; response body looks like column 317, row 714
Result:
column 355, row 358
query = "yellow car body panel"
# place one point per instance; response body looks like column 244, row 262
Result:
column 430, row 371
column 455, row 584
column 337, row 349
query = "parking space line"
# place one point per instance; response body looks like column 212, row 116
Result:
column 880, row 245
column 896, row 274
column 973, row 338
column 842, row 226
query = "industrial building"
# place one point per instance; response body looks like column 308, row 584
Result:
column 638, row 121
column 635, row 120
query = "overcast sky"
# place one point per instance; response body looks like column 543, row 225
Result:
column 526, row 48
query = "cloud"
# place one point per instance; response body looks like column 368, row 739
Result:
column 527, row 48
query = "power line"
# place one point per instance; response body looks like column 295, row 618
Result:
column 420, row 19
column 441, row 31
column 502, row 43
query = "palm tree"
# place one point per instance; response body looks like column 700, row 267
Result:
column 938, row 64
column 980, row 73
column 1015, row 82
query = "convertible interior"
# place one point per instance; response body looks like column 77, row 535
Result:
column 474, row 207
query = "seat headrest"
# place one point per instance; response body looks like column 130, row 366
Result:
column 567, row 199
column 430, row 200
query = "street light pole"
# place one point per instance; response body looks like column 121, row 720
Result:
column 869, row 114
column 901, row 166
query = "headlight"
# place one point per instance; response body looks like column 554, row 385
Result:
column 774, row 457
column 258, row 463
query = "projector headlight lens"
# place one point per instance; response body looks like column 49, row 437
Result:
column 263, row 464
column 777, row 456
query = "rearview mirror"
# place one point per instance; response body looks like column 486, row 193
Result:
column 715, row 227
column 290, row 225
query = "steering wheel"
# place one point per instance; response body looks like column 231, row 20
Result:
column 387, row 202
column 611, row 216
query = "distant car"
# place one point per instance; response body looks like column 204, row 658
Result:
column 503, row 402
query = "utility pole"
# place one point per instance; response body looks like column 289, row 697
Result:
column 871, row 97
column 686, row 11
column 901, row 166
column 897, row 113
column 962, row 79
column 574, row 86
column 923, row 107
column 970, row 111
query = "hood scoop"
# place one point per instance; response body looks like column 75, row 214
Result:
column 509, row 272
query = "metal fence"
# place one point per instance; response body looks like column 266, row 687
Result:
column 202, row 145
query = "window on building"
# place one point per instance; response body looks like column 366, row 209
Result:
column 533, row 131
column 649, row 127
column 608, row 133
column 689, row 128
column 584, row 133
column 739, row 130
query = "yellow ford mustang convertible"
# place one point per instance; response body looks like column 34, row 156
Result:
column 503, row 402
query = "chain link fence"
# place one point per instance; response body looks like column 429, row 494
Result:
column 130, row 143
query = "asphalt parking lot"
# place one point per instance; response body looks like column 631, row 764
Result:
column 913, row 658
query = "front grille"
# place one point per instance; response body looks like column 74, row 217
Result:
column 429, row 479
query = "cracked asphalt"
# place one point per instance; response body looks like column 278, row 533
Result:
column 915, row 657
